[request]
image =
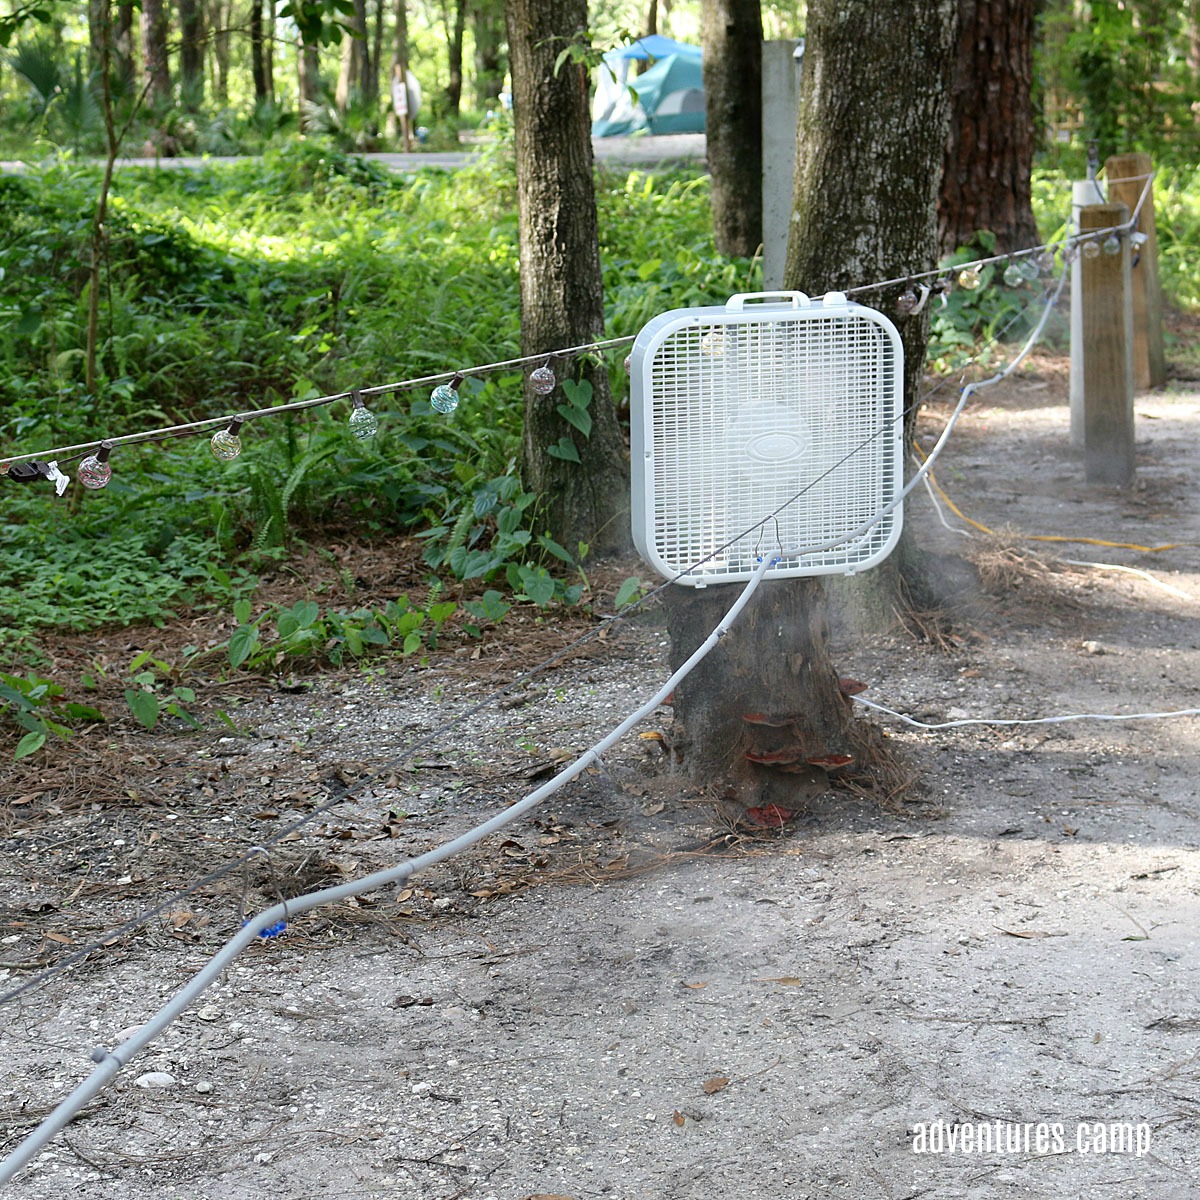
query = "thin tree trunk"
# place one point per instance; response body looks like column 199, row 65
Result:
column 308, row 79
column 562, row 298
column 97, row 11
column 269, row 50
column 454, row 85
column 354, row 65
column 731, row 34
column 191, row 53
column 154, row 53
column 370, row 86
column 1193, row 31
column 122, row 47
column 989, row 153
column 399, row 70
column 221, row 17
column 488, row 25
column 258, row 67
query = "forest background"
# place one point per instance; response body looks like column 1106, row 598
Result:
column 303, row 270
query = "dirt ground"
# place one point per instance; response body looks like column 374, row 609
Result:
column 626, row 995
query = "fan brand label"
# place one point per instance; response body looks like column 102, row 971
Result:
column 1028, row 1137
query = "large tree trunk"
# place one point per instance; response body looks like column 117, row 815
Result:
column 774, row 663
column 191, row 53
column 154, row 53
column 870, row 139
column 989, row 153
column 731, row 34
column 562, row 298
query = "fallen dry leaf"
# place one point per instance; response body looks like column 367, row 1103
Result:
column 718, row 1083
column 678, row 1117
column 784, row 980
column 61, row 938
column 694, row 986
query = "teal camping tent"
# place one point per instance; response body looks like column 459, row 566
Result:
column 670, row 95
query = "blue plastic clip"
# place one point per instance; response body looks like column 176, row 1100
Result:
column 271, row 931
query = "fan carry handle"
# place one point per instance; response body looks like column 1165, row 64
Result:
column 738, row 303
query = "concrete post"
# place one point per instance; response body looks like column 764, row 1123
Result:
column 780, row 103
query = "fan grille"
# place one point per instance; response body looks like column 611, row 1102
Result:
column 785, row 415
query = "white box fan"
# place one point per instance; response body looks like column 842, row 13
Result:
column 766, row 428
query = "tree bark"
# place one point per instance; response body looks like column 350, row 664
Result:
column 731, row 35
column 269, row 50
column 874, row 107
column 370, row 83
column 355, row 59
column 870, row 139
column 258, row 67
column 775, row 663
column 454, row 34
column 154, row 53
column 989, row 153
column 191, row 53
column 488, row 25
column 122, row 47
column 220, row 18
column 399, row 70
column 308, row 79
column 562, row 298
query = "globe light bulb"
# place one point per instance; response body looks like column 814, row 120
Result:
column 1013, row 276
column 94, row 472
column 906, row 302
column 1112, row 245
column 1030, row 269
column 970, row 279
column 1091, row 250
column 445, row 396
column 542, row 380
column 363, row 422
column 225, row 443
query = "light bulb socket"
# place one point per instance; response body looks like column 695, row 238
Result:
column 235, row 426
column 456, row 382
column 103, row 451
column 356, row 399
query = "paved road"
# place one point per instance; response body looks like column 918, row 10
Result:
column 630, row 151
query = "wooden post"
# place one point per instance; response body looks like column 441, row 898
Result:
column 1128, row 175
column 1106, row 359
column 1084, row 192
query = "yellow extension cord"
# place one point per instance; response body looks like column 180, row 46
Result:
column 1034, row 537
